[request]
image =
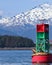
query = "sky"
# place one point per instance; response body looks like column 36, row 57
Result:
column 14, row 7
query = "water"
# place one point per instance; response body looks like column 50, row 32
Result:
column 17, row 57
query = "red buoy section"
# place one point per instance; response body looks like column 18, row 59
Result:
column 42, row 58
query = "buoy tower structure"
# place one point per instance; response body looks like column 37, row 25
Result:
column 42, row 54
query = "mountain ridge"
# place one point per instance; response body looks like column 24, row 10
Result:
column 24, row 24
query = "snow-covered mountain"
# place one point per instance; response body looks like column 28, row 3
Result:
column 23, row 24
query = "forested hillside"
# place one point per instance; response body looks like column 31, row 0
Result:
column 15, row 41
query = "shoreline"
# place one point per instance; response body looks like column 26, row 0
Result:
column 23, row 48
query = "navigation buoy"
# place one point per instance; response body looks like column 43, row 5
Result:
column 41, row 54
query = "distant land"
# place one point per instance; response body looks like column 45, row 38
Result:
column 15, row 42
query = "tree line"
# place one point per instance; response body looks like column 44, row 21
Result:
column 15, row 41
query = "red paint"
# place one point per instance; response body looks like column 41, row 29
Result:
column 46, row 27
column 42, row 27
column 42, row 58
column 40, row 63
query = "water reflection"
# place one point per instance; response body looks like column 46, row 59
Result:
column 41, row 64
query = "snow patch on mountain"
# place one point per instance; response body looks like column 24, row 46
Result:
column 40, row 14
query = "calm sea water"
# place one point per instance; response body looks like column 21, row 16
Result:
column 17, row 57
